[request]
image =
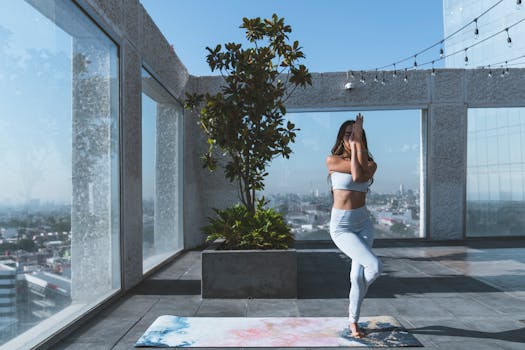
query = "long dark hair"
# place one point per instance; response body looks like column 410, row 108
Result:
column 338, row 149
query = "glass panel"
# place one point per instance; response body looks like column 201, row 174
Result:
column 298, row 186
column 59, row 204
column 161, row 173
column 496, row 172
column 457, row 14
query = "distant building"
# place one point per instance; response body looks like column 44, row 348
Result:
column 8, row 315
column 495, row 177
column 47, row 293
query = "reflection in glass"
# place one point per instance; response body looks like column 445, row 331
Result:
column 496, row 172
column 59, row 208
column 298, row 186
column 161, row 173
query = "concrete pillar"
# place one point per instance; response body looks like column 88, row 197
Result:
column 166, row 179
column 93, row 196
column 446, row 166
column 131, row 167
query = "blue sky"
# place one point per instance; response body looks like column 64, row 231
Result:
column 335, row 36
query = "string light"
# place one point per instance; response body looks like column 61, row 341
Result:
column 348, row 84
column 476, row 43
column 362, row 80
column 509, row 40
column 442, row 55
column 440, row 43
column 506, row 62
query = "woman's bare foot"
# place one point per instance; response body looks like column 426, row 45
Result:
column 356, row 331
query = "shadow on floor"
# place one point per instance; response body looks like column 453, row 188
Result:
column 469, row 256
column 514, row 335
column 325, row 275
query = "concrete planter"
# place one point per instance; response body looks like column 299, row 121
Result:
column 248, row 273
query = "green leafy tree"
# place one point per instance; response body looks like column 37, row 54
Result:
column 245, row 119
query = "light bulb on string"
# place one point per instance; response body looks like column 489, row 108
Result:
column 383, row 81
column 348, row 84
column 466, row 57
column 362, row 80
column 502, row 72
column 518, row 4
column 506, row 68
column 441, row 51
column 405, row 79
column 490, row 72
column 476, row 30
column 433, row 73
column 509, row 40
column 375, row 78
column 415, row 61
column 394, row 75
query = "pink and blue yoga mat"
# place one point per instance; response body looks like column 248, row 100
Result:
column 235, row 332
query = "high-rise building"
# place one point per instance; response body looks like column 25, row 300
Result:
column 8, row 317
column 496, row 136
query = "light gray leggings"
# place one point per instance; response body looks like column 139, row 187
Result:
column 353, row 233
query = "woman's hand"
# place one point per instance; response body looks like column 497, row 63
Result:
column 357, row 130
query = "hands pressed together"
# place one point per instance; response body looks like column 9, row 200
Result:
column 357, row 130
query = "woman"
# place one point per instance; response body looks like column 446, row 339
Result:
column 351, row 169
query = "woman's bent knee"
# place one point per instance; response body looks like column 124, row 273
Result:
column 375, row 269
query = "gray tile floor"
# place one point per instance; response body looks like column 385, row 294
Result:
column 450, row 297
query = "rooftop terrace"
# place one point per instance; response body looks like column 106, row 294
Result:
column 457, row 296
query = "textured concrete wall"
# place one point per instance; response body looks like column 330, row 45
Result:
column 203, row 190
column 445, row 98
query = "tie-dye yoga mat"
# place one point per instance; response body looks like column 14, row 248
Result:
column 176, row 331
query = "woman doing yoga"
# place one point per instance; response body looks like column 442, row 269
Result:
column 351, row 169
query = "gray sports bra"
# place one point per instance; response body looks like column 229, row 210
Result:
column 344, row 181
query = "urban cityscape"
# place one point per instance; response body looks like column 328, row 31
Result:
column 35, row 264
column 395, row 215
